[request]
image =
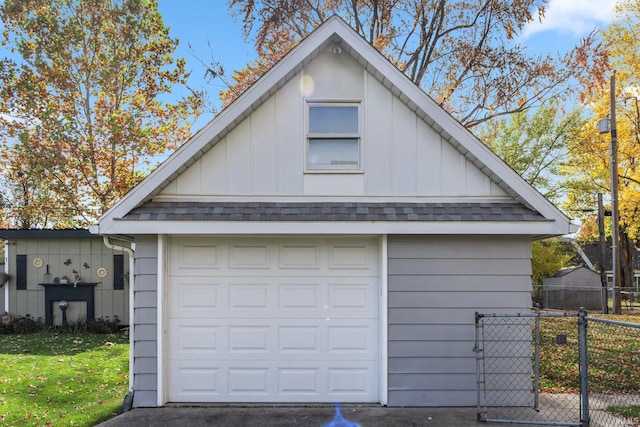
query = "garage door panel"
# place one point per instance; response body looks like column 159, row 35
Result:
column 299, row 296
column 299, row 256
column 351, row 296
column 356, row 338
column 197, row 381
column 300, row 339
column 252, row 338
column 194, row 258
column 348, row 383
column 351, row 256
column 249, row 381
column 196, row 341
column 307, row 381
column 249, row 295
column 196, row 297
column 250, row 257
column 276, row 320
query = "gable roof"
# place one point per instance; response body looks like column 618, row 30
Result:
column 569, row 270
column 333, row 31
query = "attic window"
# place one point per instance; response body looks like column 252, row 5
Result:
column 333, row 136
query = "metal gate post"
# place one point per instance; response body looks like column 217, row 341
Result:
column 536, row 362
column 478, row 352
column 584, row 373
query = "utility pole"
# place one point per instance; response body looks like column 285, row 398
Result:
column 615, row 215
column 603, row 273
column 609, row 126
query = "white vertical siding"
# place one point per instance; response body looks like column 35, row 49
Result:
column 454, row 174
column 436, row 284
column 264, row 154
column 377, row 133
column 332, row 76
column 402, row 153
column 265, row 149
column 190, row 182
column 240, row 157
column 429, row 161
column 54, row 253
column 215, row 172
column 289, row 132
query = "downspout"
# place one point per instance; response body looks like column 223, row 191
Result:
column 6, row 270
column 129, row 250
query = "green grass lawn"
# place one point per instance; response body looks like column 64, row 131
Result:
column 614, row 356
column 50, row 379
column 613, row 362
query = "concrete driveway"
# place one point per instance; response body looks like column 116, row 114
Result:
column 297, row 416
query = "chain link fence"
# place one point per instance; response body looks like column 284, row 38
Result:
column 509, row 362
column 613, row 359
column 532, row 369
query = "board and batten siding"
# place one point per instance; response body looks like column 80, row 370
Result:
column 264, row 154
column 145, row 346
column 436, row 284
column 85, row 255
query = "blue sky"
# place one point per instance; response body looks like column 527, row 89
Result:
column 201, row 23
column 212, row 32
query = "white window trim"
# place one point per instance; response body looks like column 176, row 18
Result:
column 359, row 169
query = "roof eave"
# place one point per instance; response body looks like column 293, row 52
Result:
column 529, row 228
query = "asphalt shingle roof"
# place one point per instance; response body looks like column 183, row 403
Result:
column 331, row 211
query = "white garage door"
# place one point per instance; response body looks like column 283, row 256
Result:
column 272, row 320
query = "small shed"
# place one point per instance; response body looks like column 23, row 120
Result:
column 47, row 266
column 573, row 287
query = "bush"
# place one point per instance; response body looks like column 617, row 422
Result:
column 28, row 325
column 103, row 325
column 21, row 325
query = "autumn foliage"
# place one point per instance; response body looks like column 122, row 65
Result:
column 84, row 104
column 588, row 166
column 462, row 53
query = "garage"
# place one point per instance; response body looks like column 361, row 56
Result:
column 263, row 274
column 290, row 319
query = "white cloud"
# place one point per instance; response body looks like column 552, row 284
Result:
column 573, row 17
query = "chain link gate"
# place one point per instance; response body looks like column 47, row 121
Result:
column 613, row 357
column 508, row 364
column 561, row 369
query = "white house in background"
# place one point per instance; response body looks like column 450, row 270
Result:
column 326, row 238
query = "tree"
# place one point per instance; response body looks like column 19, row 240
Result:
column 534, row 144
column 589, row 165
column 84, row 98
column 547, row 257
column 461, row 53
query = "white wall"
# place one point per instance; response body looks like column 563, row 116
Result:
column 265, row 154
